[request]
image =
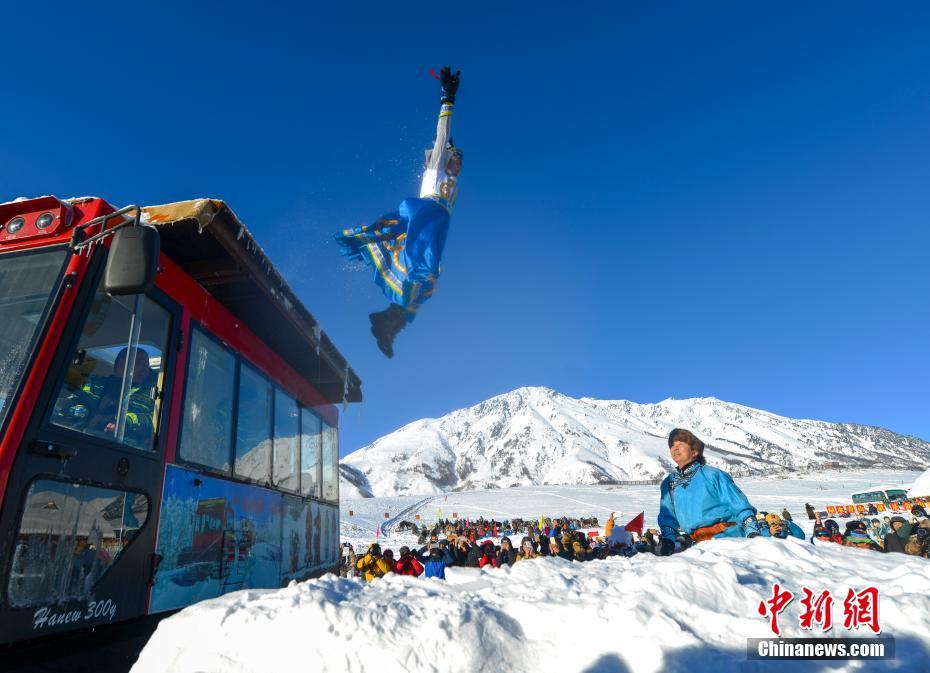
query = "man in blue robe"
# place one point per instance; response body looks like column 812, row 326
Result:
column 699, row 501
column 405, row 246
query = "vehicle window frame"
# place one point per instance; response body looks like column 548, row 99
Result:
column 335, row 464
column 274, row 416
column 63, row 479
column 240, row 361
column 41, row 328
column 234, row 411
column 68, row 345
column 318, row 497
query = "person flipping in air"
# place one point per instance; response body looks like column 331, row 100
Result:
column 405, row 246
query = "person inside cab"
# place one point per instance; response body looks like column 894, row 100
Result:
column 93, row 408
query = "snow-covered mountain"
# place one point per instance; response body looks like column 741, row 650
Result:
column 533, row 436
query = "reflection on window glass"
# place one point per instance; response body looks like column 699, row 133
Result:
column 286, row 455
column 253, row 427
column 330, row 463
column 106, row 367
column 207, row 428
column 69, row 535
column 311, row 447
column 25, row 291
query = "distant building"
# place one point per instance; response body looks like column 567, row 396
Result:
column 832, row 465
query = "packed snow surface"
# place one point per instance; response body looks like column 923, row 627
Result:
column 921, row 486
column 691, row 612
column 537, row 436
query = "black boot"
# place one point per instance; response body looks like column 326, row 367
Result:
column 385, row 325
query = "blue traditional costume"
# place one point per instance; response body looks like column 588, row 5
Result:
column 404, row 247
column 698, row 499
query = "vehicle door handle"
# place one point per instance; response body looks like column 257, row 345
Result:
column 51, row 450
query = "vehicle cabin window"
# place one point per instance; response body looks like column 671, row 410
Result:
column 330, row 463
column 111, row 388
column 870, row 496
column 286, row 466
column 895, row 494
column 311, row 450
column 69, row 535
column 26, row 284
column 206, row 432
column 253, row 426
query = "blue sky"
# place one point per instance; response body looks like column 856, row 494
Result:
column 722, row 200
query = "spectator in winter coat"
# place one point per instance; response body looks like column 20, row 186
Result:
column 542, row 545
column 526, row 550
column 831, row 531
column 556, row 550
column 650, row 539
column 899, row 535
column 460, row 552
column 408, row 564
column 919, row 544
column 579, row 553
column 822, row 534
column 488, row 555
column 786, row 515
column 347, row 565
column 781, row 529
column 507, row 555
column 609, row 526
column 811, row 514
column 877, row 532
column 372, row 564
column 473, row 558
column 860, row 539
column 699, row 500
column 436, row 562
column 388, row 557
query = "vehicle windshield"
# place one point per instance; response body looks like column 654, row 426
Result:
column 896, row 494
column 26, row 285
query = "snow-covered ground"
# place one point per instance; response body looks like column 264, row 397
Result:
column 691, row 612
column 921, row 486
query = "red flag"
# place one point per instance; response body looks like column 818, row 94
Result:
column 636, row 524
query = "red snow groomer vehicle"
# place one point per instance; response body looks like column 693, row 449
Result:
column 164, row 397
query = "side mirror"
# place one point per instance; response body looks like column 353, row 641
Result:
column 133, row 261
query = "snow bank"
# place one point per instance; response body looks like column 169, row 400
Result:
column 921, row 486
column 692, row 612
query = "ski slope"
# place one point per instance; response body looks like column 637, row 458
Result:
column 771, row 495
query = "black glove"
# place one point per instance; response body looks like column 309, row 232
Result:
column 667, row 548
column 450, row 83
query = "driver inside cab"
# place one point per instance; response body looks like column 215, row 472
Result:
column 93, row 408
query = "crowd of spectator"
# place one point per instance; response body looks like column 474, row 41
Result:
column 468, row 550
column 902, row 534
column 481, row 527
